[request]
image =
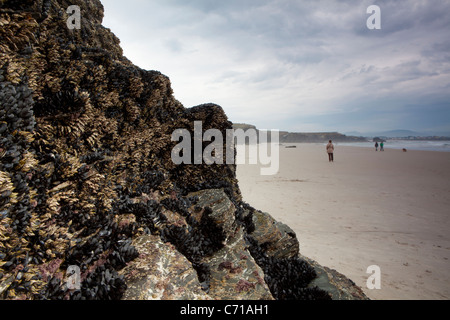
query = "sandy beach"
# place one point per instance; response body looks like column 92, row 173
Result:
column 389, row 209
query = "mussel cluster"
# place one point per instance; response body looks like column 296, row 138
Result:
column 69, row 167
column 287, row 278
column 16, row 199
column 199, row 239
column 36, row 245
column 20, row 4
column 147, row 214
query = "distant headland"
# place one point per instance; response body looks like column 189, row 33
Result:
column 354, row 136
column 309, row 137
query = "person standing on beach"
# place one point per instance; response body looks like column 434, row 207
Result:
column 330, row 150
column 376, row 146
column 382, row 146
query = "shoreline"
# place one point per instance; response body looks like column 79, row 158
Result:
column 419, row 145
column 366, row 208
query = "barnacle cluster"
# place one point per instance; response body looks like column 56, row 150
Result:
column 85, row 164
column 67, row 160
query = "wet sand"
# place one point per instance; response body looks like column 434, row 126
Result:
column 390, row 209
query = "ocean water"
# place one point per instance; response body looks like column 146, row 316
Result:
column 443, row 146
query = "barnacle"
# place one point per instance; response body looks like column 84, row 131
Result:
column 7, row 196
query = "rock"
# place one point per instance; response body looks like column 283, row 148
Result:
column 278, row 239
column 160, row 273
column 233, row 265
column 335, row 283
column 222, row 211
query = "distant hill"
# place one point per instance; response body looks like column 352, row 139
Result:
column 292, row 137
column 388, row 134
column 400, row 133
column 297, row 137
column 355, row 134
column 403, row 134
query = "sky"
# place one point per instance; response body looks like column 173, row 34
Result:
column 297, row 65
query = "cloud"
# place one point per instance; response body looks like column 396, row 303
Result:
column 174, row 45
column 287, row 64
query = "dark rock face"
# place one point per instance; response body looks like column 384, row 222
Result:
column 86, row 178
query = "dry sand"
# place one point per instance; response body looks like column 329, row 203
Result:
column 390, row 209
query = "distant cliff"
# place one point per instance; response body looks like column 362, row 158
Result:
column 87, row 181
column 318, row 137
column 309, row 137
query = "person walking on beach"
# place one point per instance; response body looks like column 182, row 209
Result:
column 376, row 146
column 330, row 150
column 382, row 146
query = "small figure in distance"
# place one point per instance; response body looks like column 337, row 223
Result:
column 382, row 146
column 330, row 150
column 376, row 146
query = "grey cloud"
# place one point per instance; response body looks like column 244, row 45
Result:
column 411, row 70
column 411, row 15
column 439, row 53
column 267, row 44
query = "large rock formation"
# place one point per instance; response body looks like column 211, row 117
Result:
column 86, row 179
